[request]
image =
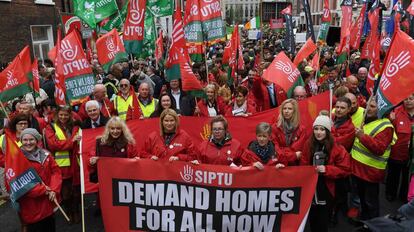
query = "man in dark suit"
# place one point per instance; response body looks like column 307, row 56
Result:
column 185, row 103
column 95, row 118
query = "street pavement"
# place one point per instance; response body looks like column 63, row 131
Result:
column 10, row 223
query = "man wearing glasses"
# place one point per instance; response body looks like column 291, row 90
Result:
column 124, row 99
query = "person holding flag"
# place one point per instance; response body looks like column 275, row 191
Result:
column 37, row 205
column 370, row 153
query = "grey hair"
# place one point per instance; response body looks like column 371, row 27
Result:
column 263, row 127
column 92, row 103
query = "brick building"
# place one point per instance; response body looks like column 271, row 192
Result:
column 29, row 22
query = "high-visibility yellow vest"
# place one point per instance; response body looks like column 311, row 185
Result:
column 3, row 144
column 148, row 109
column 62, row 158
column 358, row 117
column 362, row 154
column 121, row 105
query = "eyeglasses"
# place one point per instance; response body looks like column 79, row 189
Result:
column 123, row 85
column 217, row 129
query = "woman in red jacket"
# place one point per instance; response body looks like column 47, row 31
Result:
column 211, row 106
column 37, row 206
column 331, row 161
column 288, row 135
column 241, row 106
column 263, row 149
column 170, row 143
column 221, row 148
column 62, row 139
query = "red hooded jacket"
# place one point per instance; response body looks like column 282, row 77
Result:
column 339, row 164
column 402, row 124
column 181, row 145
column 35, row 205
column 230, row 152
column 344, row 134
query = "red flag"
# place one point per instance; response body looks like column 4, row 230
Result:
column 374, row 67
column 410, row 8
column 233, row 52
column 315, row 62
column 326, row 17
column 21, row 177
column 110, row 50
column 356, row 30
column 159, row 47
column 366, row 52
column 36, row 78
column 305, row 51
column 396, row 83
column 287, row 10
column 13, row 81
column 134, row 27
column 257, row 61
column 189, row 80
column 282, row 72
column 60, row 88
column 346, row 20
column 26, row 61
column 178, row 40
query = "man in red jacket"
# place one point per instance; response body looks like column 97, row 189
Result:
column 268, row 95
column 343, row 129
column 370, row 153
column 402, row 118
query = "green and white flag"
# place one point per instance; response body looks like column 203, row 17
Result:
column 117, row 20
column 149, row 36
column 92, row 11
column 160, row 8
column 254, row 23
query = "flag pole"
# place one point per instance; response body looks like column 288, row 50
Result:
column 5, row 112
column 261, row 29
column 82, row 179
column 61, row 210
column 205, row 60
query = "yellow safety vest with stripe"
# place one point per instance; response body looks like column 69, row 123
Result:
column 112, row 86
column 121, row 105
column 3, row 144
column 358, row 117
column 148, row 109
column 362, row 154
column 62, row 158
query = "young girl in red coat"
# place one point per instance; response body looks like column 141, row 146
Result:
column 331, row 161
column 170, row 143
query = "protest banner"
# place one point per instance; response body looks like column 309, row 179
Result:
column 184, row 197
column 242, row 128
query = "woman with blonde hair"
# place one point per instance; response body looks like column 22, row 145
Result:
column 170, row 143
column 211, row 106
column 116, row 141
column 288, row 134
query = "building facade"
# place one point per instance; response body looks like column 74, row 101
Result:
column 29, row 22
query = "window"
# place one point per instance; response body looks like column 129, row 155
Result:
column 42, row 40
column 44, row 2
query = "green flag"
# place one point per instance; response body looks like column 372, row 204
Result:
column 160, row 7
column 94, row 11
column 150, row 35
column 116, row 20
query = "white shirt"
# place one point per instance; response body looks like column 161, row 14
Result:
column 212, row 111
column 176, row 95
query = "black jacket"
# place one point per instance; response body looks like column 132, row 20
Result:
column 187, row 103
column 87, row 124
